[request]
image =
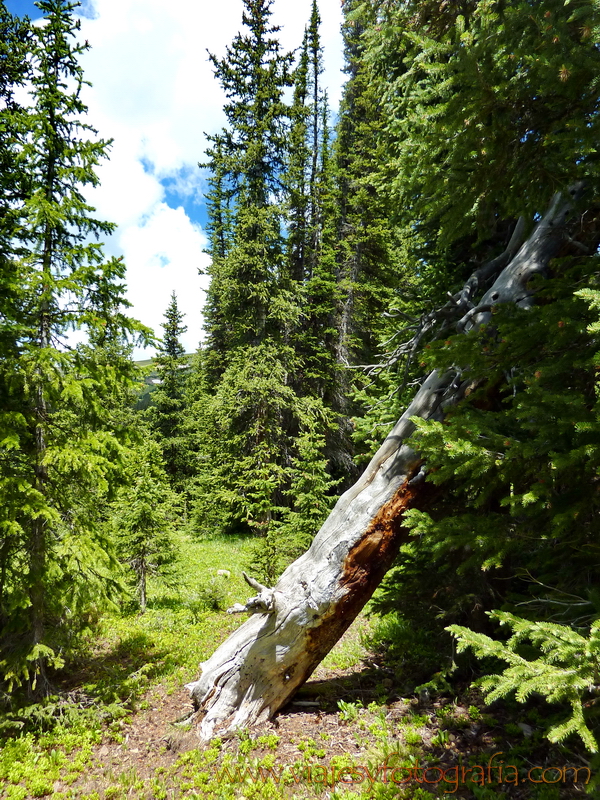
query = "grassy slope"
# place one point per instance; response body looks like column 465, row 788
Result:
column 108, row 733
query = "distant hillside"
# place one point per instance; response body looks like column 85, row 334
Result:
column 151, row 381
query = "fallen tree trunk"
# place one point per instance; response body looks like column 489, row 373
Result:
column 295, row 624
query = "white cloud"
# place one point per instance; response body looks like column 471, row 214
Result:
column 152, row 75
column 154, row 93
column 163, row 253
column 126, row 191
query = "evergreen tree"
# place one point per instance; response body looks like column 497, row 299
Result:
column 309, row 496
column 296, row 169
column 60, row 456
column 313, row 246
column 244, row 411
column 315, row 54
column 219, row 199
column 249, row 299
column 13, row 72
column 309, row 179
column 485, row 89
column 306, row 137
column 14, row 36
column 143, row 519
column 253, row 75
column 168, row 400
column 360, row 268
column 274, row 302
column 365, row 275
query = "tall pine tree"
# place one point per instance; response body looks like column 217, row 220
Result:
column 249, row 298
column 312, row 243
column 60, row 455
column 167, row 412
column 253, row 419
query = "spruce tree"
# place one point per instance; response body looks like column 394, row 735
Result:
column 562, row 666
column 312, row 245
column 168, row 400
column 315, row 54
column 143, row 519
column 249, row 298
column 306, row 136
column 60, row 455
column 485, row 89
column 359, row 271
column 14, row 36
column 296, row 169
column 249, row 301
column 366, row 274
column 251, row 420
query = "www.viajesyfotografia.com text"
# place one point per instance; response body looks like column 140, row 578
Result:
column 495, row 772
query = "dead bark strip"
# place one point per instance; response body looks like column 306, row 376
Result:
column 295, row 624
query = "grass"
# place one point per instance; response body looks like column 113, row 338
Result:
column 135, row 660
column 52, row 743
column 350, row 650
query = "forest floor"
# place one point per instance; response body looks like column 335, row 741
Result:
column 348, row 734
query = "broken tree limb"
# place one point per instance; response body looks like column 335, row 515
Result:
column 512, row 284
column 295, row 624
column 458, row 305
column 264, row 602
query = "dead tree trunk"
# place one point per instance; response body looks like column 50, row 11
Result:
column 294, row 625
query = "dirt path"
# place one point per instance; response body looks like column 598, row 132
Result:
column 350, row 716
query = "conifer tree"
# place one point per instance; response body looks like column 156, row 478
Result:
column 365, row 270
column 357, row 273
column 60, row 456
column 296, row 169
column 249, row 298
column 14, row 35
column 302, row 174
column 563, row 668
column 309, row 184
column 486, row 89
column 250, row 414
column 13, row 71
column 219, row 199
column 312, row 244
column 316, row 69
column 250, row 301
column 143, row 519
column 168, row 400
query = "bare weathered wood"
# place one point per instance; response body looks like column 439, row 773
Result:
column 295, row 624
column 318, row 596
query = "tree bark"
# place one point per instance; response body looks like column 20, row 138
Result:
column 295, row 624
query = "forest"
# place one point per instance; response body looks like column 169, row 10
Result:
column 399, row 371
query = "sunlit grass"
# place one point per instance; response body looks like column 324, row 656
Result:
column 135, row 657
column 128, row 655
column 349, row 651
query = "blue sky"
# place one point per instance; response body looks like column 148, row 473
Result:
column 154, row 94
column 22, row 8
